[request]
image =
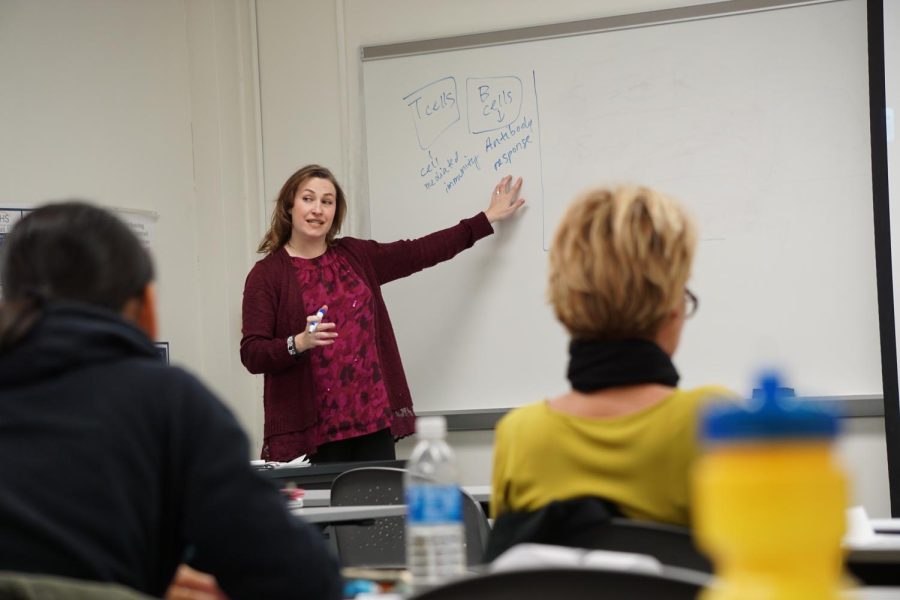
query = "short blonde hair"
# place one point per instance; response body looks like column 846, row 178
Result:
column 619, row 263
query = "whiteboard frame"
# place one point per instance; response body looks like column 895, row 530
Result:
column 583, row 27
column 883, row 259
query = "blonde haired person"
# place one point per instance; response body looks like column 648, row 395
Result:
column 619, row 266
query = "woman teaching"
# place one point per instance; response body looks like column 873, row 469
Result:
column 316, row 325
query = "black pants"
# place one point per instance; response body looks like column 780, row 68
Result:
column 372, row 446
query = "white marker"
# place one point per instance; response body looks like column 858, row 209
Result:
column 319, row 314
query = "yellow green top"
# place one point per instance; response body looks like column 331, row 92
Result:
column 641, row 461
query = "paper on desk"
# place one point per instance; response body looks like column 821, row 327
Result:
column 300, row 461
column 530, row 556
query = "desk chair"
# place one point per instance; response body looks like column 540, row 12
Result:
column 569, row 583
column 669, row 544
column 595, row 524
column 383, row 544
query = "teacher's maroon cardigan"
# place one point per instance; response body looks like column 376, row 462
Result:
column 273, row 310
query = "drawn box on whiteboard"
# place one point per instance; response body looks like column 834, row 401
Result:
column 493, row 102
column 434, row 108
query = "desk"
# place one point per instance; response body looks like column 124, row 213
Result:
column 321, row 497
column 874, row 556
column 320, row 476
column 316, row 498
column 333, row 515
column 877, row 562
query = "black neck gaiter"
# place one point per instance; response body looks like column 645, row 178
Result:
column 596, row 365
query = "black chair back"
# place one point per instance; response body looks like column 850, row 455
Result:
column 669, row 544
column 596, row 524
column 383, row 544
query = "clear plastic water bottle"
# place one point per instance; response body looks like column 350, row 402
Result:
column 435, row 550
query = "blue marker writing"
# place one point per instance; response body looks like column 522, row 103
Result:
column 319, row 314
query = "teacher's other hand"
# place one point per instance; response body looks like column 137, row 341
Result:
column 190, row 584
column 323, row 335
column 504, row 199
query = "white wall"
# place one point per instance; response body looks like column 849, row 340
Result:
column 862, row 450
column 301, row 90
column 146, row 105
column 227, row 195
column 96, row 104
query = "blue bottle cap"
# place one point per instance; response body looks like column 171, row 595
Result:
column 773, row 414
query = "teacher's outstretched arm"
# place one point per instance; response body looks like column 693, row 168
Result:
column 402, row 258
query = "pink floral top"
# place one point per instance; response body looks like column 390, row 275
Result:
column 350, row 391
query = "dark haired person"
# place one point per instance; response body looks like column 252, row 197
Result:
column 114, row 465
column 337, row 398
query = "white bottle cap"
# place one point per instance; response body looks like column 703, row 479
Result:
column 431, row 428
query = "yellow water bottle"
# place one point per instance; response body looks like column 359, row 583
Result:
column 770, row 499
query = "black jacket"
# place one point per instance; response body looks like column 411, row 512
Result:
column 571, row 522
column 113, row 465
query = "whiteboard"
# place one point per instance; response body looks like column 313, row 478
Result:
column 758, row 122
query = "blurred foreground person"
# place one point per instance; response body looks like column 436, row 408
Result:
column 115, row 466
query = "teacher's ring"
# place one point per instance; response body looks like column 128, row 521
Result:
column 497, row 192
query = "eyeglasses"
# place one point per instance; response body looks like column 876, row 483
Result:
column 691, row 303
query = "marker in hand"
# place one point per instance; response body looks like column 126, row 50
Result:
column 319, row 314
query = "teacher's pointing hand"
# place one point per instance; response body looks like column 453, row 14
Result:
column 505, row 199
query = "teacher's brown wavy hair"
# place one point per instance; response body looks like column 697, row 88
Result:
column 69, row 251
column 280, row 228
column 619, row 263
